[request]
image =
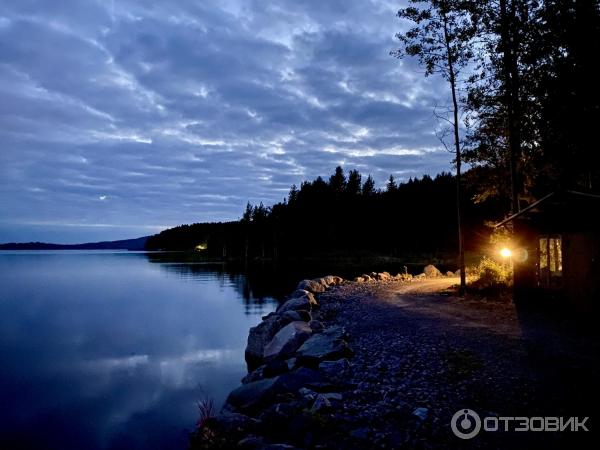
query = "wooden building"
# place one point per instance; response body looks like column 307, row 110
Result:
column 556, row 250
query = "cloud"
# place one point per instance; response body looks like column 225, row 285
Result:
column 182, row 112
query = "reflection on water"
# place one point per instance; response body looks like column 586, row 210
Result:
column 112, row 350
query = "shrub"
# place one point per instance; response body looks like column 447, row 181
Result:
column 489, row 273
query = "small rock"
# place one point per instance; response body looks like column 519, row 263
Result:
column 321, row 402
column 333, row 396
column 421, row 413
column 334, row 368
column 291, row 363
column 449, row 274
column 251, row 442
column 307, row 393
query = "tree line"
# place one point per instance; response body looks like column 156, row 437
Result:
column 344, row 215
column 523, row 114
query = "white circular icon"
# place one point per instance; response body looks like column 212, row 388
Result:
column 465, row 423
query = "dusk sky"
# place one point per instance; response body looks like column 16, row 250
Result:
column 121, row 118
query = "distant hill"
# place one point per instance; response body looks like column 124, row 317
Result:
column 124, row 244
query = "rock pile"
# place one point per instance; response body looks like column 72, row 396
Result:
column 431, row 271
column 297, row 373
column 294, row 362
column 382, row 276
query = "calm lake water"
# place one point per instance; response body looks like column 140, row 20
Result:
column 105, row 350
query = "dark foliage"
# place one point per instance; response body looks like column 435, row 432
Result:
column 341, row 217
column 533, row 96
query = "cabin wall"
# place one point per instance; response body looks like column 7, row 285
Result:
column 525, row 272
column 581, row 257
column 581, row 267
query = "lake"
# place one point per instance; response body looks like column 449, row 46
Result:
column 112, row 350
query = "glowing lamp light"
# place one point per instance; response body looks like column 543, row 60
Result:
column 506, row 253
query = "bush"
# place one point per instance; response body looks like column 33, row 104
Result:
column 492, row 274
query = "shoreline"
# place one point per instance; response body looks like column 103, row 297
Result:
column 407, row 356
column 296, row 359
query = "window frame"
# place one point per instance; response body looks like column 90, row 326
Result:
column 553, row 256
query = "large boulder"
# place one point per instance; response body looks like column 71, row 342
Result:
column 311, row 286
column 322, row 281
column 290, row 316
column 227, row 423
column 328, row 345
column 304, row 314
column 331, row 280
column 298, row 301
column 259, row 336
column 431, row 271
column 301, row 293
column 288, row 340
column 299, row 378
column 383, row 276
column 334, row 369
column 251, row 395
column 316, row 326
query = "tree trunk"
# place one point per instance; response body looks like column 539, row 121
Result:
column 452, row 78
column 508, row 39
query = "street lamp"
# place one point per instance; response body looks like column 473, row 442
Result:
column 507, row 253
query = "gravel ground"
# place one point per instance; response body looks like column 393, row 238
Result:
column 422, row 353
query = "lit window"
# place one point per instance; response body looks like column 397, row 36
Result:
column 550, row 260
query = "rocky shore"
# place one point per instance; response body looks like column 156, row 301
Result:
column 299, row 386
column 386, row 361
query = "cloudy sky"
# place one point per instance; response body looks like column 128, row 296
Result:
column 120, row 118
